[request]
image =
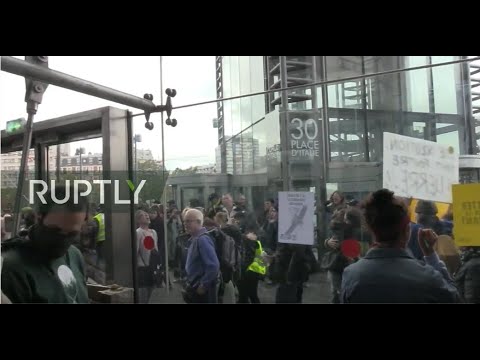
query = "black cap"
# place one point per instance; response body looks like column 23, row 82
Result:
column 426, row 208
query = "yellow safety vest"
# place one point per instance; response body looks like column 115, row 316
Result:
column 101, row 227
column 258, row 265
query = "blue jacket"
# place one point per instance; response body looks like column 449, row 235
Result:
column 202, row 264
column 387, row 275
column 413, row 245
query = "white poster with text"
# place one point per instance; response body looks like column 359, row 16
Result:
column 419, row 168
column 295, row 214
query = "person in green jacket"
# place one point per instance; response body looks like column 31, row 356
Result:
column 43, row 266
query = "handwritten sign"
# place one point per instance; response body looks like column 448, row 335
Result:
column 295, row 225
column 419, row 168
column 466, row 213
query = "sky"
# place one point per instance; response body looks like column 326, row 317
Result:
column 191, row 143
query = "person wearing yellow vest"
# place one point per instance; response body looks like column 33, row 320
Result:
column 252, row 270
column 100, row 238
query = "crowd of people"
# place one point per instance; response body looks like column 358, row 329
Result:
column 254, row 255
column 399, row 260
column 219, row 253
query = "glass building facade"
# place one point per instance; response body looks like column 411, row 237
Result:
column 326, row 137
column 280, row 123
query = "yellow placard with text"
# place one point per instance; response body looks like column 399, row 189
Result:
column 466, row 214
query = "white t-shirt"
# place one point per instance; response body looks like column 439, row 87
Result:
column 144, row 246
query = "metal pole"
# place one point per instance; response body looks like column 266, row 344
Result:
column 285, row 126
column 164, row 193
column 23, row 168
column 58, row 163
column 57, row 78
column 80, row 163
column 366, row 147
column 469, row 132
column 135, row 165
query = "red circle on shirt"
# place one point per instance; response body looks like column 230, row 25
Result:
column 148, row 243
column 350, row 248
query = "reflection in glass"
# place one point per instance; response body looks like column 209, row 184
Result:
column 269, row 141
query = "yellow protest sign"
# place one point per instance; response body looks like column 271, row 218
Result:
column 466, row 214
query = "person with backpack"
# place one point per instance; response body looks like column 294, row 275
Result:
column 202, row 266
column 234, row 232
column 225, row 249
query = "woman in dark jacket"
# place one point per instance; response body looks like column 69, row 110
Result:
column 290, row 269
column 271, row 230
column 157, row 223
column 248, row 283
column 338, row 232
column 333, row 206
column 388, row 273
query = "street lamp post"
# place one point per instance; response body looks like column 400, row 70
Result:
column 136, row 139
column 80, row 151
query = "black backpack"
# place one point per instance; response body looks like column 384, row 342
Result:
column 228, row 254
column 153, row 274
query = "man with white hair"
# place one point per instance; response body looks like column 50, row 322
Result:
column 202, row 266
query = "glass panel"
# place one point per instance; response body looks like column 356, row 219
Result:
column 347, row 137
column 10, row 176
column 338, row 67
column 257, row 84
column 245, row 88
column 227, row 92
column 268, row 144
column 445, row 85
column 417, row 85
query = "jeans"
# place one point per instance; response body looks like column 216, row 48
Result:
column 335, row 278
column 248, row 288
column 289, row 293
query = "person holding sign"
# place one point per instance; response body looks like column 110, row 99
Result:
column 388, row 273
